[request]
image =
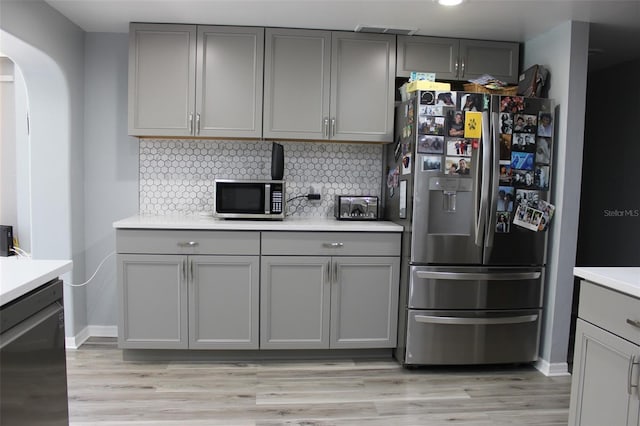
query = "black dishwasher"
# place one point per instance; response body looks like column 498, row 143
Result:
column 33, row 372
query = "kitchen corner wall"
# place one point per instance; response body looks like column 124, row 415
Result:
column 176, row 176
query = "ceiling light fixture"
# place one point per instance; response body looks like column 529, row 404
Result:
column 449, row 2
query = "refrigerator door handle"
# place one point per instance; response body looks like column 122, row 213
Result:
column 432, row 319
column 495, row 162
column 496, row 276
column 484, row 190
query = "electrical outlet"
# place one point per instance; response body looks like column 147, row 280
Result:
column 315, row 189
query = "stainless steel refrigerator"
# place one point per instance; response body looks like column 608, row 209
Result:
column 468, row 178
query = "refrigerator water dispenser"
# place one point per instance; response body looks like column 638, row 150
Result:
column 451, row 200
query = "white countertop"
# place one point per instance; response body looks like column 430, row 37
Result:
column 297, row 224
column 19, row 275
column 623, row 279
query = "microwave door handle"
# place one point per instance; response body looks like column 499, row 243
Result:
column 267, row 198
column 495, row 157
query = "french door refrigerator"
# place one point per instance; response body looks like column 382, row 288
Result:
column 468, row 178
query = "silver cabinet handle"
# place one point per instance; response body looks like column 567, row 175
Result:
column 188, row 244
column 462, row 72
column 197, row 123
column 191, row 123
column 333, row 245
column 431, row 319
column 504, row 276
column 333, row 127
column 630, row 386
column 329, row 278
column 184, row 270
column 325, row 127
column 190, row 270
column 634, row 323
column 456, row 68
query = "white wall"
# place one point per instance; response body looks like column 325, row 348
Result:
column 8, row 172
column 111, row 175
column 15, row 155
column 49, row 50
column 564, row 50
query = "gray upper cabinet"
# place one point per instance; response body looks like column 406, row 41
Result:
column 499, row 59
column 162, row 85
column 187, row 80
column 428, row 54
column 455, row 59
column 329, row 85
column 362, row 87
column 229, row 82
column 297, row 70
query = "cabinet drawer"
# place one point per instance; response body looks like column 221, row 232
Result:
column 331, row 243
column 187, row 242
column 608, row 309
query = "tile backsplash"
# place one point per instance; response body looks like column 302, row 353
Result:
column 176, row 176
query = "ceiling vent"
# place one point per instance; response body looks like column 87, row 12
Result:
column 384, row 30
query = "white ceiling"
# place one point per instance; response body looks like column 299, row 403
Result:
column 615, row 29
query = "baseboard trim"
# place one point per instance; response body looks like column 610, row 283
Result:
column 103, row 330
column 555, row 369
column 74, row 342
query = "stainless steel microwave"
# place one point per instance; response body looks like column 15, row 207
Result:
column 249, row 199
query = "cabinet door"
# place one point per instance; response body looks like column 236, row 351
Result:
column 602, row 375
column 229, row 82
column 153, row 302
column 162, row 74
column 428, row 54
column 364, row 302
column 294, row 302
column 362, row 86
column 499, row 59
column 297, row 77
column 223, row 302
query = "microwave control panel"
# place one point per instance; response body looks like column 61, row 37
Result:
column 276, row 199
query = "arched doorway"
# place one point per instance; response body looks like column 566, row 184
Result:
column 49, row 160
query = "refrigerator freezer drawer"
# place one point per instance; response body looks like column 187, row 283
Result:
column 472, row 337
column 475, row 288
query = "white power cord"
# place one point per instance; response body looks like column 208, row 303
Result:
column 94, row 274
column 21, row 253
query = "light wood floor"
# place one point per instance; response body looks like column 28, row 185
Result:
column 105, row 390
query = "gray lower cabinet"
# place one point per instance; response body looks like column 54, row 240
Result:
column 192, row 296
column 606, row 370
column 152, row 292
column 257, row 290
column 458, row 59
column 295, row 302
column 188, row 80
column 344, row 80
column 364, row 302
column 312, row 298
column 224, row 302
